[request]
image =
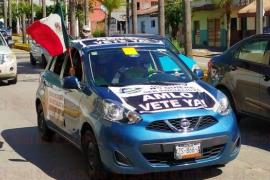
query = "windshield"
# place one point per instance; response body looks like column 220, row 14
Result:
column 2, row 41
column 130, row 66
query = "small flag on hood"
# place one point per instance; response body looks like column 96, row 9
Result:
column 50, row 32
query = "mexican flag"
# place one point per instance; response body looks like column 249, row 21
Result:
column 50, row 32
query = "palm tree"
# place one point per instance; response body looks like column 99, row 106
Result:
column 110, row 5
column 161, row 17
column 134, row 16
column 226, row 5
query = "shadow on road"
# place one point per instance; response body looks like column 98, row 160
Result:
column 26, row 68
column 256, row 133
column 61, row 160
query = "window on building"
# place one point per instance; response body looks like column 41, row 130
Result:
column 138, row 5
column 153, row 23
column 142, row 27
column 154, row 3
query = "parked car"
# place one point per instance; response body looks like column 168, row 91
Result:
column 191, row 63
column 8, row 63
column 39, row 54
column 6, row 32
column 243, row 74
column 133, row 107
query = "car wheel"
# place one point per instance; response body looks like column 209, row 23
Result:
column 230, row 98
column 45, row 133
column 13, row 81
column 32, row 60
column 43, row 61
column 90, row 147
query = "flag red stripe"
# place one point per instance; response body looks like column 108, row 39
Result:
column 44, row 36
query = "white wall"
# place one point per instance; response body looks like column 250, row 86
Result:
column 147, row 21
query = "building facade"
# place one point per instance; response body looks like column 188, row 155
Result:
column 209, row 23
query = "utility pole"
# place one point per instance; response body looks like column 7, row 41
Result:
column 161, row 18
column 5, row 13
column 134, row 16
column 259, row 16
column 9, row 14
column 43, row 8
column 127, row 17
column 188, row 35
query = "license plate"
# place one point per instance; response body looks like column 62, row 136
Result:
column 187, row 151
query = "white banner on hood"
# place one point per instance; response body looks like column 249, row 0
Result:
column 157, row 98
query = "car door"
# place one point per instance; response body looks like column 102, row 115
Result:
column 246, row 73
column 54, row 97
column 265, row 88
column 73, row 97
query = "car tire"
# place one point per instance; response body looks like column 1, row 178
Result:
column 13, row 81
column 32, row 60
column 230, row 98
column 44, row 132
column 43, row 61
column 95, row 167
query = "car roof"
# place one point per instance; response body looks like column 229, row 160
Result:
column 114, row 42
column 149, row 36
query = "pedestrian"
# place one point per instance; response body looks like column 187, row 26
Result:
column 86, row 32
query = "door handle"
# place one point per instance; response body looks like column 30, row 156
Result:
column 266, row 77
column 233, row 67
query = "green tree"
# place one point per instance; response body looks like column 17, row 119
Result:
column 110, row 5
column 227, row 6
column 174, row 15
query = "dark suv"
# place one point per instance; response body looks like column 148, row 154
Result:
column 243, row 74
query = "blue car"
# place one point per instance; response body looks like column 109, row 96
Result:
column 132, row 107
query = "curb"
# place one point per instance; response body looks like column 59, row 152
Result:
column 21, row 47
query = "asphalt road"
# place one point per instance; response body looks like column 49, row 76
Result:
column 24, row 156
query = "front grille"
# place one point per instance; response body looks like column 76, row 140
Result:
column 168, row 157
column 174, row 125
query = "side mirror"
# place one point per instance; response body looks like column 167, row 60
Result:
column 10, row 43
column 198, row 73
column 71, row 82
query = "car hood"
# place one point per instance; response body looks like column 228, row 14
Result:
column 5, row 50
column 159, row 98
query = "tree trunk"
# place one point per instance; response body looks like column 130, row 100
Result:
column 86, row 12
column 23, row 29
column 127, row 17
column 5, row 13
column 32, row 11
column 134, row 16
column 109, row 23
column 228, row 16
column 161, row 18
column 43, row 8
column 188, row 35
column 72, row 11
column 9, row 14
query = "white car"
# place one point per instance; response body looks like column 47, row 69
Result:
column 8, row 63
column 39, row 54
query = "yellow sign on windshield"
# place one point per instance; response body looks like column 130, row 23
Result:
column 130, row 51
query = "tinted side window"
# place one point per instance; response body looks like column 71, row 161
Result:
column 255, row 51
column 58, row 63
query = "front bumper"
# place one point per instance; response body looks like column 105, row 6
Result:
column 147, row 151
column 8, row 70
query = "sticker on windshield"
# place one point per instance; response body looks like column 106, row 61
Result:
column 157, row 98
column 130, row 51
column 94, row 53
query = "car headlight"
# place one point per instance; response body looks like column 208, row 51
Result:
column 114, row 112
column 223, row 104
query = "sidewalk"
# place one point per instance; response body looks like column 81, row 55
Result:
column 207, row 53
